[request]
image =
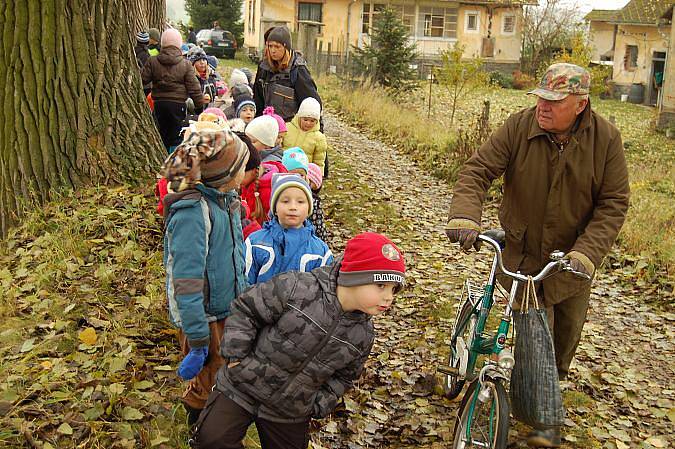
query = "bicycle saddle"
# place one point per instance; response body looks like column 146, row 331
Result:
column 497, row 235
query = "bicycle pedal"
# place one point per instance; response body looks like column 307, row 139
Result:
column 448, row 370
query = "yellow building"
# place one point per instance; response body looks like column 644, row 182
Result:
column 639, row 46
column 602, row 34
column 488, row 28
column 667, row 104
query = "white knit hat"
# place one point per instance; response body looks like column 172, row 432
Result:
column 265, row 129
column 309, row 108
column 237, row 77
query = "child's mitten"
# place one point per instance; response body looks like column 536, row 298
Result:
column 193, row 363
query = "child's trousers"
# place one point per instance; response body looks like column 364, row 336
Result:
column 170, row 116
column 199, row 388
column 223, row 425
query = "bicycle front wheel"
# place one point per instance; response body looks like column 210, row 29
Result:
column 483, row 419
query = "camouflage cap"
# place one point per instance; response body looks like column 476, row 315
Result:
column 563, row 79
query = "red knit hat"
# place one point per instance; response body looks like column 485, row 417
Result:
column 371, row 259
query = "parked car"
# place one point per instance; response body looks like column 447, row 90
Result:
column 217, row 42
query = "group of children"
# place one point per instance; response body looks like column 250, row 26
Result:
column 273, row 327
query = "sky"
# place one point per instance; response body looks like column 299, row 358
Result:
column 587, row 5
column 175, row 11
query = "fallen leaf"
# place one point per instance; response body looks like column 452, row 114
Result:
column 131, row 414
column 656, row 442
column 28, row 345
column 88, row 336
column 158, row 440
column 65, row 429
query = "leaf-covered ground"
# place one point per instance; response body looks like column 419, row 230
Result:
column 87, row 357
column 621, row 393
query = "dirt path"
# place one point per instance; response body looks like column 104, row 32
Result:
column 621, row 392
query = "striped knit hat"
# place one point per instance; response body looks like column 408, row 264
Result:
column 211, row 156
column 142, row 37
column 283, row 181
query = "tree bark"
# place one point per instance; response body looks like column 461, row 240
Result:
column 149, row 14
column 72, row 110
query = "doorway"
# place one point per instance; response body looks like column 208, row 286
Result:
column 656, row 78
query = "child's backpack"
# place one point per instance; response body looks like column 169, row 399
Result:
column 248, row 224
column 161, row 189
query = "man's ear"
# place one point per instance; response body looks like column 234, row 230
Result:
column 581, row 106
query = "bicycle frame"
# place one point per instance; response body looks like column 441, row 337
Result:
column 482, row 345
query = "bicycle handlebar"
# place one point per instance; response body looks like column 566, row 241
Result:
column 558, row 263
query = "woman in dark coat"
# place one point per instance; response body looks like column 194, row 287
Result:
column 283, row 79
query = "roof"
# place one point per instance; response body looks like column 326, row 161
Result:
column 601, row 15
column 502, row 2
column 643, row 12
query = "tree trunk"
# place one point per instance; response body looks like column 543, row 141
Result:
column 149, row 14
column 72, row 110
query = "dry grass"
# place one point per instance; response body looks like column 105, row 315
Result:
column 648, row 236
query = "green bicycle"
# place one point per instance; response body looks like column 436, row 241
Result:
column 483, row 416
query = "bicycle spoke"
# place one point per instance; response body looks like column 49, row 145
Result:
column 478, row 428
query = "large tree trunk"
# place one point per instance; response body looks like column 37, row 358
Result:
column 72, row 111
column 149, row 14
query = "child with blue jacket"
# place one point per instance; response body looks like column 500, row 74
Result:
column 287, row 241
column 203, row 251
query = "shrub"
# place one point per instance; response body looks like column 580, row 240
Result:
column 523, row 81
column 460, row 76
column 600, row 75
column 503, row 80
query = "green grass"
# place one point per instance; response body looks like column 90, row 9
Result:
column 240, row 60
column 406, row 122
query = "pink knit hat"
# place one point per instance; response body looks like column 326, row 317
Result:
column 215, row 111
column 269, row 110
column 172, row 38
column 314, row 174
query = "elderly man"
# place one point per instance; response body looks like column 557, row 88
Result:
column 565, row 188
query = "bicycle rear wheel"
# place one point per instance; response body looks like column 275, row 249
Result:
column 489, row 425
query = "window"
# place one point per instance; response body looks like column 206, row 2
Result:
column 365, row 18
column 407, row 15
column 369, row 16
column 251, row 16
column 437, row 22
column 508, row 24
column 630, row 58
column 309, row 11
column 433, row 25
column 472, row 21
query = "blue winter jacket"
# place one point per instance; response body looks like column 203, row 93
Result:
column 274, row 250
column 203, row 257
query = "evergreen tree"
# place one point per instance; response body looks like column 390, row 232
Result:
column 226, row 12
column 388, row 56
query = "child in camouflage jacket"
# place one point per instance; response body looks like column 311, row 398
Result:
column 295, row 344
